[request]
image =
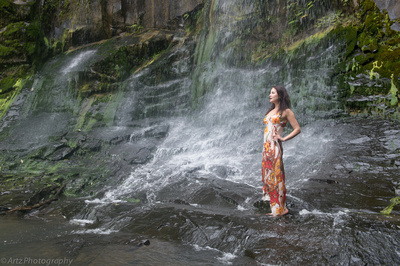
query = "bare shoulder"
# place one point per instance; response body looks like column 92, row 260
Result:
column 287, row 114
column 288, row 111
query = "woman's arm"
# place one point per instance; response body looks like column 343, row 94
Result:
column 289, row 115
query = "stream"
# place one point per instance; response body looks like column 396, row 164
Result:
column 197, row 208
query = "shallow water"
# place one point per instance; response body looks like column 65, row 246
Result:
column 202, row 214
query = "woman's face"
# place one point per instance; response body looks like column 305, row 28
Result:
column 273, row 96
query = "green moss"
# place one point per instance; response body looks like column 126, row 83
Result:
column 111, row 108
column 8, row 100
column 394, row 93
column 6, row 85
column 51, row 9
column 83, row 113
column 90, row 124
column 7, row 51
column 351, row 39
column 372, row 49
column 127, row 59
column 20, row 49
column 4, row 4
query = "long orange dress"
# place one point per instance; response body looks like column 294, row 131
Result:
column 273, row 173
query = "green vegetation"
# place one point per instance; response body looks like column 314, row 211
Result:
column 393, row 202
column 372, row 50
column 370, row 61
column 21, row 49
column 136, row 28
column 124, row 61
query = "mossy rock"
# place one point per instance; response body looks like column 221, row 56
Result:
column 127, row 59
column 372, row 50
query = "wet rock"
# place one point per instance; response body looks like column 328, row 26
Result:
column 329, row 181
column 228, row 199
column 219, row 170
column 112, row 135
column 134, row 153
column 393, row 9
column 41, row 195
column 126, row 59
column 104, row 19
column 157, row 132
column 44, row 152
column 360, row 140
column 222, row 170
column 162, row 226
column 181, row 202
column 120, row 139
column 74, row 138
column 262, row 206
column 4, row 210
column 191, row 170
column 75, row 245
column 62, row 154
column 250, row 254
column 145, row 243
column 141, row 157
column 63, row 148
column 92, row 146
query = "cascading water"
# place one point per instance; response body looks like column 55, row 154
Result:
column 50, row 106
column 222, row 138
column 195, row 198
column 201, row 185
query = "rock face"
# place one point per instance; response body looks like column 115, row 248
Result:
column 392, row 6
column 33, row 31
column 97, row 20
column 393, row 9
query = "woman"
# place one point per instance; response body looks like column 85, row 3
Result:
column 273, row 174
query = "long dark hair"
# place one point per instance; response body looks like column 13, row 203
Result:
column 284, row 100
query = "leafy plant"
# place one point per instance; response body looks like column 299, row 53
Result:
column 393, row 93
column 136, row 28
column 394, row 201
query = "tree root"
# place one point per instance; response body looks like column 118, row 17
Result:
column 26, row 208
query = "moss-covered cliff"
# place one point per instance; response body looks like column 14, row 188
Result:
column 367, row 72
column 87, row 97
column 34, row 31
column 370, row 67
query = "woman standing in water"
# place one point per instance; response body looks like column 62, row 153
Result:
column 273, row 173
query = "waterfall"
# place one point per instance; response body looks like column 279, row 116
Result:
column 220, row 138
column 172, row 152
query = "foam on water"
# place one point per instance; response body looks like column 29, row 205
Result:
column 226, row 258
column 81, row 221
column 223, row 257
column 305, row 212
column 105, row 200
column 97, row 231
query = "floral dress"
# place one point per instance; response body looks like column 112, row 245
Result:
column 273, row 174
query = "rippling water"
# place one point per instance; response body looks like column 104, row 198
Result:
column 194, row 201
column 198, row 209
